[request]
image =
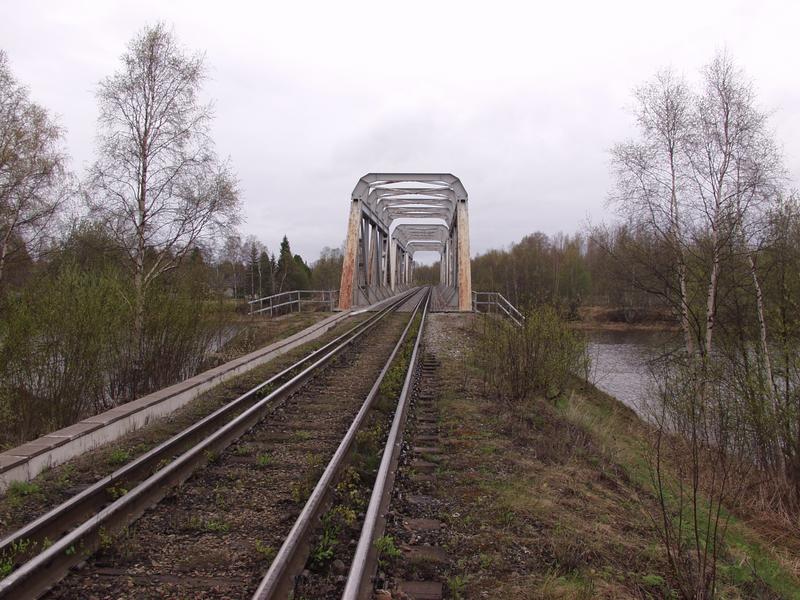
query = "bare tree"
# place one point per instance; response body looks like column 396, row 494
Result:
column 704, row 166
column 232, row 254
column 701, row 180
column 31, row 168
column 651, row 179
column 734, row 166
column 158, row 184
column 699, row 469
column 737, row 170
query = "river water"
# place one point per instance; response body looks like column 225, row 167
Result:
column 620, row 362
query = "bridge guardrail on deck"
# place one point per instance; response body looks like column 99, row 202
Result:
column 496, row 300
column 293, row 298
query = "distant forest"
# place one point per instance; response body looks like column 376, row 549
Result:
column 567, row 271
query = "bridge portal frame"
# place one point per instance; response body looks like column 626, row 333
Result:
column 379, row 256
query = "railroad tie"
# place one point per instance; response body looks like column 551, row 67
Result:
column 420, row 525
column 422, row 590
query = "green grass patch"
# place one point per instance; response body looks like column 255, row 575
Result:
column 118, row 456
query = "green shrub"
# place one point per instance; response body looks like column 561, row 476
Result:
column 118, row 456
column 534, row 359
column 387, row 550
column 55, row 339
column 67, row 348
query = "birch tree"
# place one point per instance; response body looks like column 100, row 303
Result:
column 703, row 167
column 651, row 179
column 734, row 166
column 702, row 178
column 737, row 171
column 157, row 184
column 31, row 168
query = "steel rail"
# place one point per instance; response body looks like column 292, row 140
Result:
column 365, row 560
column 36, row 575
column 290, row 559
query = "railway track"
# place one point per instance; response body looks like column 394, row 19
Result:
column 316, row 528
column 420, row 567
column 408, row 463
column 93, row 526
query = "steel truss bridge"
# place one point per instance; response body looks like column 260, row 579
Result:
column 395, row 215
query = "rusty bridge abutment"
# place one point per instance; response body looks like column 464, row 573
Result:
column 394, row 215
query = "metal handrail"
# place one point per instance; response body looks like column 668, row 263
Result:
column 328, row 297
column 499, row 301
column 510, row 306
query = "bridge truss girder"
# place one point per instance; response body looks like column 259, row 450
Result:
column 394, row 215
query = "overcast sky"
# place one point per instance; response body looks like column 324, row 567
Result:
column 521, row 100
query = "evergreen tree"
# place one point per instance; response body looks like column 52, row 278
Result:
column 265, row 270
column 255, row 271
column 292, row 272
column 285, row 264
column 300, row 274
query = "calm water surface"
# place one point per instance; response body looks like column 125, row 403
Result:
column 620, row 363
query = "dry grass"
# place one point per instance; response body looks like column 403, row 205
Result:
column 617, row 319
column 553, row 501
column 258, row 331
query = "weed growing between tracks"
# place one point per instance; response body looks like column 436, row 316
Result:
column 178, row 558
column 554, row 500
column 334, row 541
column 387, row 550
column 302, row 489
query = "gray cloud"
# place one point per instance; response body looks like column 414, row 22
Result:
column 522, row 101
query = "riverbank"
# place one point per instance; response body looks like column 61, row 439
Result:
column 602, row 318
column 555, row 501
